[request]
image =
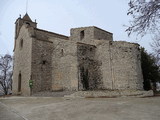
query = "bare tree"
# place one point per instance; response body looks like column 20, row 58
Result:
column 156, row 48
column 6, row 73
column 146, row 15
column 146, row 19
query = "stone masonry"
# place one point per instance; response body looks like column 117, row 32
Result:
column 88, row 60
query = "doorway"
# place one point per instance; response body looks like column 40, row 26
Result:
column 19, row 82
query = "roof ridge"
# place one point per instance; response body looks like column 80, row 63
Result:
column 51, row 32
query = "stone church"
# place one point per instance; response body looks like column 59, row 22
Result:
column 86, row 60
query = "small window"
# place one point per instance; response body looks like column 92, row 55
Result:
column 62, row 52
column 44, row 62
column 21, row 44
column 82, row 34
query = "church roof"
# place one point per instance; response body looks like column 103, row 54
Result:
column 50, row 34
column 26, row 17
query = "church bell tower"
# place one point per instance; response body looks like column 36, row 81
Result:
column 25, row 20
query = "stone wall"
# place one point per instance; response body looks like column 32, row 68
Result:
column 64, row 62
column 22, row 61
column 42, row 52
column 118, row 63
column 41, row 65
column 90, row 77
column 121, row 65
column 87, row 35
column 126, row 65
column 103, row 55
column 100, row 34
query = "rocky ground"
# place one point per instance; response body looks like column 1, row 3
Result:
column 64, row 108
column 53, row 94
column 96, row 94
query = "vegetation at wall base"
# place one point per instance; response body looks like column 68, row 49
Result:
column 150, row 70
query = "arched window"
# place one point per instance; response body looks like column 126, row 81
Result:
column 62, row 52
column 82, row 34
column 21, row 44
column 27, row 23
column 19, row 82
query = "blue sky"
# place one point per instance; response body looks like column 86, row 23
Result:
column 61, row 15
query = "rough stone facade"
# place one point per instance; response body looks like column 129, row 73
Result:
column 87, row 60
